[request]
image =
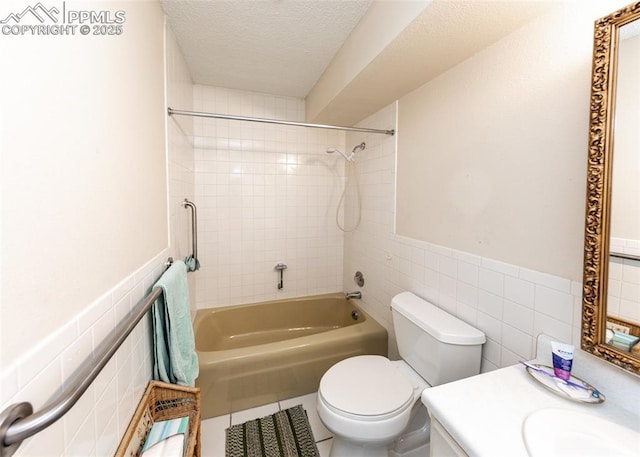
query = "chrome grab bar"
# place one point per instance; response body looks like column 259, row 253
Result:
column 621, row 255
column 194, row 226
column 18, row 421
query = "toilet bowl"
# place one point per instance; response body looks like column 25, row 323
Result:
column 368, row 401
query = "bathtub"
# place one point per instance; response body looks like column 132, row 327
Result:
column 251, row 355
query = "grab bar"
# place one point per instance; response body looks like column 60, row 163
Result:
column 194, row 232
column 621, row 255
column 18, row 421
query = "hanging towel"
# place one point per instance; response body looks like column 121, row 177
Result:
column 192, row 263
column 175, row 358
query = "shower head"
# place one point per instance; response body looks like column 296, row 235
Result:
column 331, row 150
column 350, row 157
column 360, row 146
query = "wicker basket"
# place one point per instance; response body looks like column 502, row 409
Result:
column 162, row 401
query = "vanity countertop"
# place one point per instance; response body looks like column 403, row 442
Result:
column 485, row 413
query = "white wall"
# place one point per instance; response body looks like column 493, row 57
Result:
column 266, row 194
column 509, row 303
column 383, row 23
column 491, row 163
column 492, row 154
column 83, row 169
column 85, row 220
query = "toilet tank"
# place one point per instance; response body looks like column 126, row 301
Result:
column 438, row 346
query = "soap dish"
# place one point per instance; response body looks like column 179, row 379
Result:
column 575, row 390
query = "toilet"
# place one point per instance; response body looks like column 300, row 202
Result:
column 368, row 401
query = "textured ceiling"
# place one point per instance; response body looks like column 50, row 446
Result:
column 272, row 46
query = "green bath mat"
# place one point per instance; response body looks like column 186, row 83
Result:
column 283, row 434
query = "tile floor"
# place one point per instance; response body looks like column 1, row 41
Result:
column 213, row 430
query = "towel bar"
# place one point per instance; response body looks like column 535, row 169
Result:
column 18, row 421
column 621, row 255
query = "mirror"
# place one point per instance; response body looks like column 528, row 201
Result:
column 611, row 287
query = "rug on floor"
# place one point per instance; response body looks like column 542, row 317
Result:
column 283, row 434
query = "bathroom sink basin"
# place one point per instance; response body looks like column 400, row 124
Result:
column 565, row 432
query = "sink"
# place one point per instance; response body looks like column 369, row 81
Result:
column 566, row 432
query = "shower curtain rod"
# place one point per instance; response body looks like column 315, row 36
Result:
column 176, row 112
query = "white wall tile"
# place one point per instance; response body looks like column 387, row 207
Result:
column 492, row 353
column 556, row 329
column 508, row 357
column 491, row 326
column 49, row 442
column 544, row 279
column 106, row 407
column 500, row 267
column 518, row 316
column 631, row 272
column 448, row 266
column 517, row 341
column 108, row 441
column 268, row 195
column 491, row 304
column 468, row 314
column 554, row 303
column 467, row 294
column 78, row 415
column 468, row 273
column 76, row 353
column 89, row 428
column 623, row 294
column 519, row 291
column 491, row 281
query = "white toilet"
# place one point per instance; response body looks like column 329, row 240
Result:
column 367, row 401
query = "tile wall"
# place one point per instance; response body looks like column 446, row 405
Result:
column 180, row 155
column 95, row 425
column 266, row 194
column 511, row 304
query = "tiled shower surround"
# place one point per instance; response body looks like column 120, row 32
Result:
column 266, row 194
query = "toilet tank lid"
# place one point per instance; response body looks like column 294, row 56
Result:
column 438, row 323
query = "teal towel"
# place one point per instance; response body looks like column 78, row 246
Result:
column 175, row 358
column 192, row 263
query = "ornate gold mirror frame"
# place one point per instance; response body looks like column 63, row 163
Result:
column 596, row 245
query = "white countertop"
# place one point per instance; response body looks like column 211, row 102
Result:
column 485, row 413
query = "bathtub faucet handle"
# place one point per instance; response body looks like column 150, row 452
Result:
column 350, row 295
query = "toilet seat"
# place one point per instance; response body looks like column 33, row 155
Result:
column 367, row 387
